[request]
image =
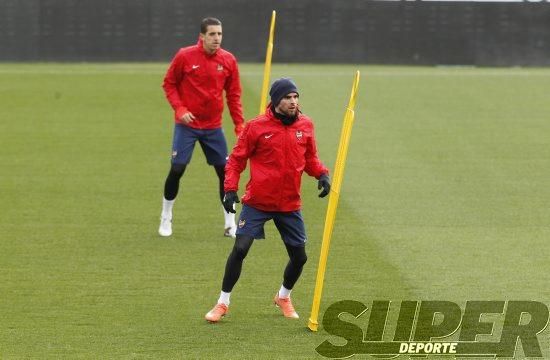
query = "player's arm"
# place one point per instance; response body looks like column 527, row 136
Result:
column 234, row 167
column 174, row 76
column 238, row 159
column 314, row 167
column 233, row 93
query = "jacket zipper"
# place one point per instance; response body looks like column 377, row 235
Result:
column 285, row 166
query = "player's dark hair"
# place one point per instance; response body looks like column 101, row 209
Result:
column 206, row 22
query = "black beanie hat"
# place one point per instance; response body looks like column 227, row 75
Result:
column 280, row 88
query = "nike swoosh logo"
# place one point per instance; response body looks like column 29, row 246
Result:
column 195, row 66
column 268, row 136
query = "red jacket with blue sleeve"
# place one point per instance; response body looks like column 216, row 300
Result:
column 278, row 156
column 195, row 82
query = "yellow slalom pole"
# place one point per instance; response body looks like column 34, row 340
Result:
column 333, row 203
column 267, row 67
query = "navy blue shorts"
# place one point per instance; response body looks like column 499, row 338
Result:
column 290, row 225
column 212, row 142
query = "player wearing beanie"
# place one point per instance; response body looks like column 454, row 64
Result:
column 280, row 146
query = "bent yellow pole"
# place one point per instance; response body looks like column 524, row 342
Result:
column 333, row 203
column 267, row 67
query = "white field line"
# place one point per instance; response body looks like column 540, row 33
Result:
column 365, row 73
column 435, row 72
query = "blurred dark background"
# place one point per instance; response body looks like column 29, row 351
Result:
column 316, row 31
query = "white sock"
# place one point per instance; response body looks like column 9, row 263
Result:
column 224, row 298
column 167, row 206
column 284, row 292
column 229, row 219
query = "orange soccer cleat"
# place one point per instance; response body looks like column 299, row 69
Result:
column 216, row 313
column 286, row 306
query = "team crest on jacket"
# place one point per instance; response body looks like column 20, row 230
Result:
column 241, row 223
column 220, row 67
column 299, row 135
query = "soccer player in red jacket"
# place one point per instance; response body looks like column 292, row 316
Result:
column 280, row 146
column 194, row 85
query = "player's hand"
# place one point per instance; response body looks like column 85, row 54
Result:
column 187, row 118
column 229, row 201
column 324, row 183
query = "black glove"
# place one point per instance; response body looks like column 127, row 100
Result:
column 229, row 201
column 324, row 182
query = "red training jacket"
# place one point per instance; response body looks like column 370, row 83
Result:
column 278, row 156
column 195, row 82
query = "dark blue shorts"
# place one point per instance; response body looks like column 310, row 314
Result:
column 212, row 142
column 290, row 225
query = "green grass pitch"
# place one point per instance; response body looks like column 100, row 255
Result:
column 445, row 196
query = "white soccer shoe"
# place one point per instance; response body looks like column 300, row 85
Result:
column 230, row 231
column 165, row 228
